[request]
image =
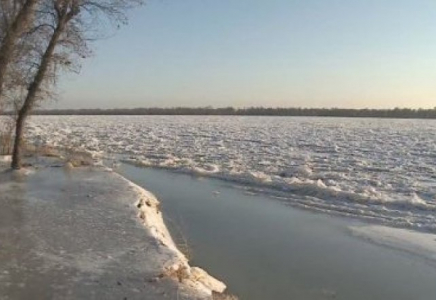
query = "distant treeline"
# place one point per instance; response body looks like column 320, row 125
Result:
column 255, row 111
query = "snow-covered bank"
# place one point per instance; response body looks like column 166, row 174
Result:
column 89, row 233
column 151, row 217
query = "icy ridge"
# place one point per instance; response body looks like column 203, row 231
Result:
column 151, row 217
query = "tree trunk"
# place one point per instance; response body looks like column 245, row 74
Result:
column 13, row 33
column 16, row 153
column 32, row 95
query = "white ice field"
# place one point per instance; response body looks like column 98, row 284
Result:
column 382, row 170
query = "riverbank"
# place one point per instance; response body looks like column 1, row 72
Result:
column 88, row 233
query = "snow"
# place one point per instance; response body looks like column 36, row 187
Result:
column 378, row 170
column 5, row 159
column 151, row 217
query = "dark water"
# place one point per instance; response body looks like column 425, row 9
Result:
column 263, row 249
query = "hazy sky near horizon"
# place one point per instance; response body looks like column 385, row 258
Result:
column 308, row 53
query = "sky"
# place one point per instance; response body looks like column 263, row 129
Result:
column 279, row 53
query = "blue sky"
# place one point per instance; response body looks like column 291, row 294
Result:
column 308, row 53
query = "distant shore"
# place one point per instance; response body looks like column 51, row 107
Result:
column 400, row 113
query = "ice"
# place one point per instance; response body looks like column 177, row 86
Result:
column 381, row 170
column 412, row 242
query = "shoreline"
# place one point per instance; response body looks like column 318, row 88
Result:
column 299, row 254
column 132, row 202
column 293, row 194
column 414, row 241
column 151, row 217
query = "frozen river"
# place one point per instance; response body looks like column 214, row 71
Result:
column 380, row 170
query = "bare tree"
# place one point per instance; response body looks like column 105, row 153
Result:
column 63, row 29
column 16, row 16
